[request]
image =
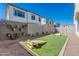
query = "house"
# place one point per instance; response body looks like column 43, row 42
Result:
column 76, row 19
column 22, row 21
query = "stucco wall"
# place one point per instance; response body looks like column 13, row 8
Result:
column 34, row 28
column 43, row 21
column 75, row 20
column 76, row 7
column 4, row 30
column 76, row 28
column 36, row 19
column 10, row 15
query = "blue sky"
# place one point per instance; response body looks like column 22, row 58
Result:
column 2, row 10
column 59, row 12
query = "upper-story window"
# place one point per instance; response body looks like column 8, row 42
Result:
column 46, row 21
column 19, row 13
column 33, row 17
column 50, row 22
column 39, row 19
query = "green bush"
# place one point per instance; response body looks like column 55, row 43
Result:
column 33, row 35
column 15, row 26
column 43, row 33
column 28, row 34
column 46, row 32
column 17, row 35
column 9, row 26
column 37, row 33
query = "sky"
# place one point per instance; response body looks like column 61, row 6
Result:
column 59, row 12
column 2, row 10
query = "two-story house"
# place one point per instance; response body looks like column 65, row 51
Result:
column 23, row 21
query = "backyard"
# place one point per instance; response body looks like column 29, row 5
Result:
column 52, row 47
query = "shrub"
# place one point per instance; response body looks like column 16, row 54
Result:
column 24, row 25
column 15, row 26
column 17, row 35
column 47, row 32
column 22, row 33
column 9, row 26
column 33, row 35
column 28, row 34
column 37, row 33
column 13, row 29
column 43, row 33
column 8, row 35
column 19, row 29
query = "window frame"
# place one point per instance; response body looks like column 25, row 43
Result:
column 19, row 13
column 32, row 17
column 39, row 19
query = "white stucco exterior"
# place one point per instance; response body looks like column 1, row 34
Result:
column 76, row 19
column 33, row 21
column 43, row 21
column 76, row 7
column 10, row 15
column 27, row 19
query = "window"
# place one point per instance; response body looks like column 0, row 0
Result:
column 50, row 22
column 33, row 17
column 47, row 21
column 39, row 19
column 19, row 13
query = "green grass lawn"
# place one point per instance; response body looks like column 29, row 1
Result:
column 52, row 47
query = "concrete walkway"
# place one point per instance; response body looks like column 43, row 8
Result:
column 72, row 48
column 12, row 48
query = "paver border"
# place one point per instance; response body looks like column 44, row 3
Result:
column 29, row 50
column 61, row 53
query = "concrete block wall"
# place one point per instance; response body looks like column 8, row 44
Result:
column 4, row 30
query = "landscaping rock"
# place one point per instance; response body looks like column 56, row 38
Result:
column 33, row 43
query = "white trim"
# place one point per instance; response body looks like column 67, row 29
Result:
column 77, row 33
column 28, row 49
column 63, row 48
